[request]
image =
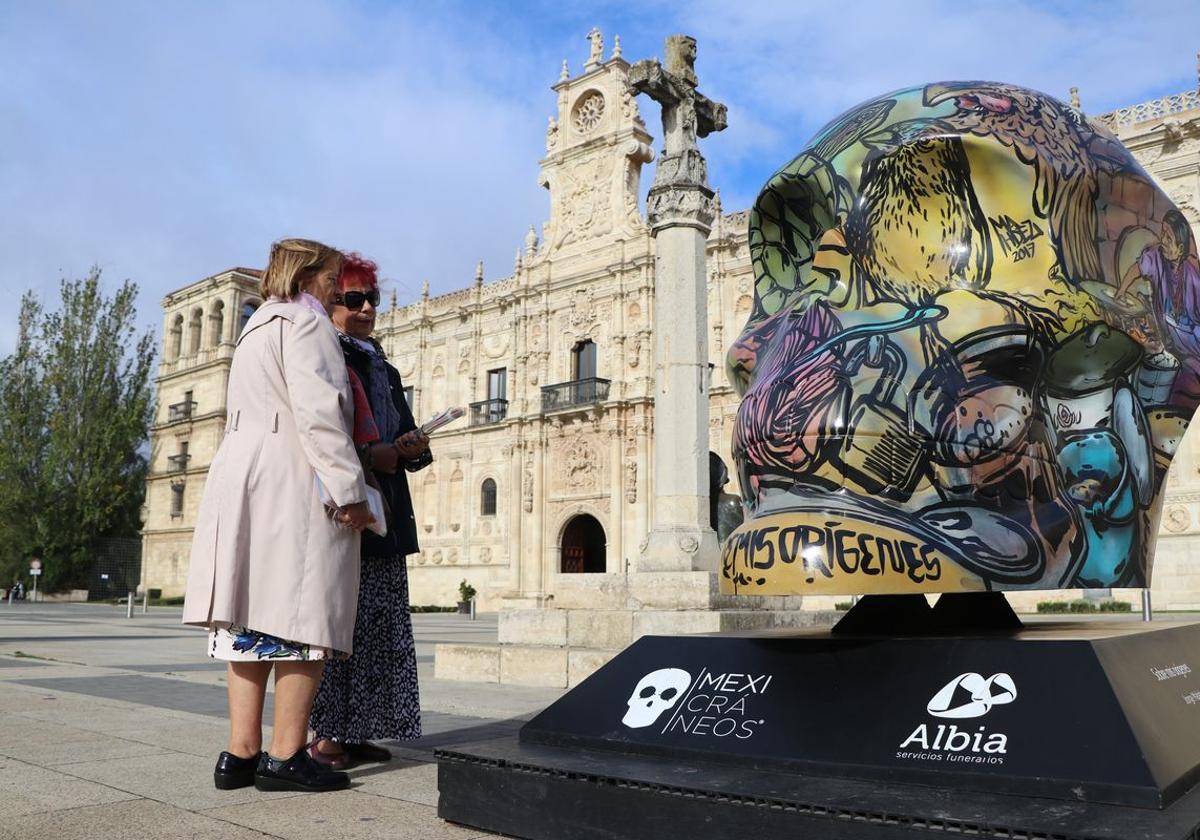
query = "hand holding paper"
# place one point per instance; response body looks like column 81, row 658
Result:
column 448, row 416
column 374, row 504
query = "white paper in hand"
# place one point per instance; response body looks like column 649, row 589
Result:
column 446, row 417
column 374, row 503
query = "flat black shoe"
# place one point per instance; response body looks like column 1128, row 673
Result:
column 367, row 752
column 232, row 772
column 299, row 772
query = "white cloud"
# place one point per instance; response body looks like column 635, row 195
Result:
column 166, row 142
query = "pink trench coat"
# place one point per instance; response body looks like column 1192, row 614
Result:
column 264, row 555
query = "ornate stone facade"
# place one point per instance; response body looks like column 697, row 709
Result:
column 561, row 443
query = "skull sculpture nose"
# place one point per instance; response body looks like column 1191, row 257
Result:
column 984, row 392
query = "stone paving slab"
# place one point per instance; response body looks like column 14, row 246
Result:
column 115, row 728
column 171, row 730
column 48, row 744
column 28, row 789
column 407, row 780
column 345, row 815
column 150, row 691
column 184, row 781
column 137, row 819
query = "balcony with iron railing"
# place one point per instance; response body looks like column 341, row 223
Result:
column 486, row 412
column 178, row 463
column 181, row 411
column 579, row 392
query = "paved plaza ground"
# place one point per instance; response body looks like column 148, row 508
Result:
column 109, row 728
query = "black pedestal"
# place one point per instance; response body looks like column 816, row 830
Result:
column 1088, row 730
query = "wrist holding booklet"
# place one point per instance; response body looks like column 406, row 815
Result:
column 374, row 502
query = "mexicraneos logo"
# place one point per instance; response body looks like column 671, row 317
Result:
column 711, row 704
column 967, row 696
column 654, row 694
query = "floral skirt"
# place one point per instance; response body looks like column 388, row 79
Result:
column 241, row 644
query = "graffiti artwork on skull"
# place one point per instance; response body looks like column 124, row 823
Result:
column 974, row 347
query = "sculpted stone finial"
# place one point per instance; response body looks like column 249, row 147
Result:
column 616, row 53
column 566, row 72
column 1075, row 103
column 597, row 55
column 479, row 273
column 531, row 242
column 425, row 290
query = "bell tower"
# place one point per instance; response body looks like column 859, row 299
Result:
column 595, row 148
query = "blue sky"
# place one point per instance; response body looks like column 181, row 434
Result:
column 166, row 141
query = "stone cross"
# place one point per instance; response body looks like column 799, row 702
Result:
column 686, row 113
column 681, row 208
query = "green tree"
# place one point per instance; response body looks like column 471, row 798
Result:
column 75, row 410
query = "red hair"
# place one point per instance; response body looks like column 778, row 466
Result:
column 357, row 270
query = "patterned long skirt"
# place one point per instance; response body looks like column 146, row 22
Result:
column 373, row 694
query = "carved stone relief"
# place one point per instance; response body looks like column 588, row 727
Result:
column 581, row 464
column 1177, row 518
column 527, row 484
column 631, row 472
column 584, row 201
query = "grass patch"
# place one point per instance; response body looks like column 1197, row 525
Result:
column 430, row 608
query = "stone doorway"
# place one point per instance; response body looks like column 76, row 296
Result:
column 583, row 546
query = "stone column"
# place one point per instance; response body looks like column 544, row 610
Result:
column 681, row 210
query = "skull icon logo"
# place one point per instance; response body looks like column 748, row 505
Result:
column 654, row 694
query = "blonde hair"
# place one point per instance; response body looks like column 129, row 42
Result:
column 292, row 262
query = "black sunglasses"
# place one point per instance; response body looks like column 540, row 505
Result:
column 354, row 300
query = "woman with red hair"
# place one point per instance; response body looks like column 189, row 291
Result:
column 373, row 694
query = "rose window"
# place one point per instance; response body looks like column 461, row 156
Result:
column 588, row 112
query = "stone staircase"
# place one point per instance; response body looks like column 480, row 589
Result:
column 591, row 618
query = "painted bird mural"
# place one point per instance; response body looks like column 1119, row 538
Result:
column 916, row 228
column 1066, row 151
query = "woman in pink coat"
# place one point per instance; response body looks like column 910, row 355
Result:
column 274, row 569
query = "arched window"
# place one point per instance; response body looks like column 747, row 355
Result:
column 216, row 323
column 583, row 360
column 487, row 494
column 194, row 330
column 248, row 309
column 175, row 340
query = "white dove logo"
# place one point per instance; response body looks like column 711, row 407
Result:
column 970, row 695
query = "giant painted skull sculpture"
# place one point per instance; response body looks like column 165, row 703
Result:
column 654, row 694
column 974, row 349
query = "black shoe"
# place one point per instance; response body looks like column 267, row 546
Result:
column 232, row 772
column 366, row 752
column 299, row 772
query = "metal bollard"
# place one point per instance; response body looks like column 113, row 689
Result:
column 472, row 609
column 129, row 606
column 1147, row 611
column 145, row 601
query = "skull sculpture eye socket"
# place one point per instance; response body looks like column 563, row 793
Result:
column 669, row 693
column 648, row 691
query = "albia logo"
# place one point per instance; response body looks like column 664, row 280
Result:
column 970, row 695
column 654, row 694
